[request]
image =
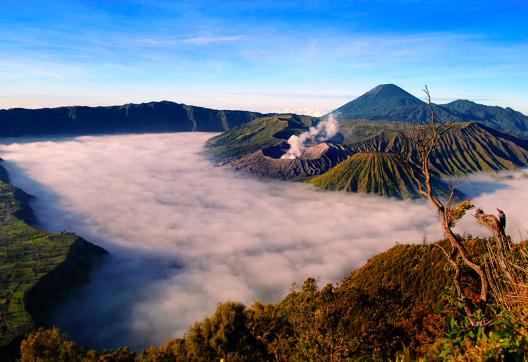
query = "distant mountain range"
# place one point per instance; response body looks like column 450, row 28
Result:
column 388, row 102
column 129, row 118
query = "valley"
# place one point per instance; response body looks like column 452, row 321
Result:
column 188, row 216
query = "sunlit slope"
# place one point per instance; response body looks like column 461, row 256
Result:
column 392, row 303
column 470, row 147
column 379, row 173
column 255, row 135
column 36, row 268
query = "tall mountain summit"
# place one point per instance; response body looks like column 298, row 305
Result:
column 384, row 97
column 388, row 102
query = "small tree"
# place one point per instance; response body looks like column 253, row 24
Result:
column 421, row 142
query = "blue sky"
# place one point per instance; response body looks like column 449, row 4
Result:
column 303, row 56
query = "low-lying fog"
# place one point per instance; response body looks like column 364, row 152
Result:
column 185, row 235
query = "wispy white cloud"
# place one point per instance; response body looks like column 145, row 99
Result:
column 208, row 40
column 315, row 112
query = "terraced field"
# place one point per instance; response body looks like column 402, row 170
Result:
column 36, row 268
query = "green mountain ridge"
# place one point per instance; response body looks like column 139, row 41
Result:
column 394, row 307
column 467, row 148
column 149, row 117
column 255, row 135
column 36, row 268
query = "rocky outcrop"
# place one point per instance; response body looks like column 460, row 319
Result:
column 314, row 161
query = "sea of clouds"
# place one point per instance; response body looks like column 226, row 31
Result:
column 185, row 235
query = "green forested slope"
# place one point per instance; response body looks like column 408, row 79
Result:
column 36, row 268
column 256, row 135
column 469, row 147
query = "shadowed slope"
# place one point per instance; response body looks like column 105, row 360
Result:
column 491, row 116
column 129, row 118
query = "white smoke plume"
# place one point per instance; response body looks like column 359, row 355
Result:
column 323, row 131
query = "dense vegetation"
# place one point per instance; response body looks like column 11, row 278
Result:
column 36, row 268
column 399, row 305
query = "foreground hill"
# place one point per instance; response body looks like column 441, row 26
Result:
column 36, row 268
column 129, row 118
column 388, row 102
column 395, row 307
column 379, row 173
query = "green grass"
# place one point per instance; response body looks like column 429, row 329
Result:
column 27, row 256
column 468, row 148
column 255, row 135
column 380, row 173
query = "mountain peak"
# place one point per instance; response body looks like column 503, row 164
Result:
column 377, row 102
column 390, row 90
column 462, row 102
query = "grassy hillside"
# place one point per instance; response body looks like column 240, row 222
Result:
column 256, row 147
column 362, row 129
column 470, row 147
column 379, row 173
column 255, row 135
column 36, row 268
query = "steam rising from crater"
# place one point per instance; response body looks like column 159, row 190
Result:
column 323, row 131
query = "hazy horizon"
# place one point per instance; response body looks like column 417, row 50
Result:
column 305, row 111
